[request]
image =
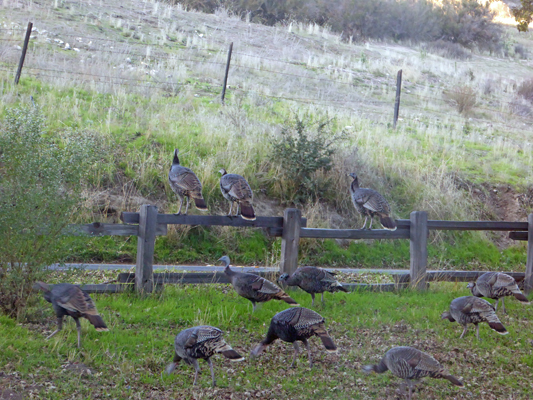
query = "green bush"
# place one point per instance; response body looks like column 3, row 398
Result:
column 41, row 179
column 305, row 149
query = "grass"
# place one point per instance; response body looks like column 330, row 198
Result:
column 127, row 361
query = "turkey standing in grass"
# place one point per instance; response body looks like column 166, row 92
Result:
column 313, row 280
column 496, row 285
column 186, row 184
column 253, row 287
column 235, row 189
column 201, row 342
column 473, row 310
column 296, row 324
column 411, row 364
column 70, row 300
column 369, row 203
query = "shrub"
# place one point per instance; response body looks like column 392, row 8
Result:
column 525, row 90
column 449, row 50
column 304, row 152
column 463, row 98
column 40, row 187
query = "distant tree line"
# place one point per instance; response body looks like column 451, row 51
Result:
column 465, row 22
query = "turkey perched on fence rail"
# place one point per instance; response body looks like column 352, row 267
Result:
column 200, row 342
column 235, row 189
column 369, row 203
column 313, row 280
column 70, row 300
column 186, row 184
column 411, row 364
column 253, row 287
column 496, row 285
column 473, row 310
column 296, row 324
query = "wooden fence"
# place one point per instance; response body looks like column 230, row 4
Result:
column 148, row 224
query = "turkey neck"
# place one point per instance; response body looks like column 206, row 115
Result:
column 176, row 160
column 229, row 272
column 381, row 367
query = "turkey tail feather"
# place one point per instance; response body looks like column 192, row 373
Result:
column 232, row 355
column 321, row 332
column 453, row 380
column 521, row 297
column 247, row 212
column 97, row 322
column 388, row 223
column 286, row 298
column 498, row 327
column 200, row 204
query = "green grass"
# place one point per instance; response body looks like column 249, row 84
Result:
column 128, row 360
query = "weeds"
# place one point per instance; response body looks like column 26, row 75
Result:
column 463, row 98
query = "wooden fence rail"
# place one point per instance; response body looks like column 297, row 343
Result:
column 148, row 224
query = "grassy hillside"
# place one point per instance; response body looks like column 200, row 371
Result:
column 146, row 77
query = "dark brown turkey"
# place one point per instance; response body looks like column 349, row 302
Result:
column 473, row 310
column 411, row 364
column 200, row 342
column 369, row 203
column 296, row 324
column 235, row 189
column 496, row 285
column 254, row 287
column 313, row 280
column 70, row 300
column 185, row 184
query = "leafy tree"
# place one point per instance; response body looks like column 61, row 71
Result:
column 523, row 15
column 41, row 179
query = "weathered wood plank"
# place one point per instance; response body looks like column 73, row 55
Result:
column 290, row 240
column 374, row 287
column 518, row 235
column 145, row 249
column 101, row 229
column 186, row 277
column 209, row 220
column 354, row 233
column 106, row 288
column 468, row 225
column 419, row 251
column 528, row 280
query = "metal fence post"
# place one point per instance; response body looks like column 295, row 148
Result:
column 397, row 102
column 144, row 274
column 23, row 55
column 227, row 72
column 528, row 280
column 419, row 250
column 290, row 240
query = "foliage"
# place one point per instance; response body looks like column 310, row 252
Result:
column 40, row 189
column 467, row 23
column 305, row 148
column 525, row 90
column 523, row 15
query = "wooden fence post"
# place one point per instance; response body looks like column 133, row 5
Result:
column 23, row 56
column 528, row 280
column 290, row 240
column 227, row 72
column 144, row 274
column 419, row 250
column 397, row 102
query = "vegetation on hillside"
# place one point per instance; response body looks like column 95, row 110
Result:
column 466, row 22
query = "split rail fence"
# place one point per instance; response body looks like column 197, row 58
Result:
column 148, row 224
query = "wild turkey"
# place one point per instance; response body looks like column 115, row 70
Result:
column 70, row 300
column 296, row 324
column 313, row 280
column 369, row 203
column 186, row 184
column 496, row 285
column 235, row 189
column 473, row 310
column 200, row 342
column 253, row 287
column 411, row 364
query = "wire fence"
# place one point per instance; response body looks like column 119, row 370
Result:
column 198, row 56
